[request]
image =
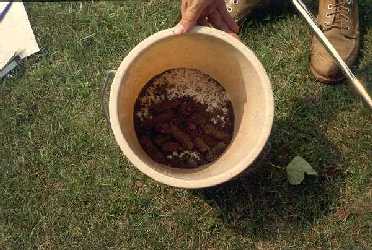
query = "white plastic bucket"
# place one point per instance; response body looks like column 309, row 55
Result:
column 225, row 59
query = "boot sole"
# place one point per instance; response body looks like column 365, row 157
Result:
column 325, row 79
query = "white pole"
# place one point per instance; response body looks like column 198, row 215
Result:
column 301, row 7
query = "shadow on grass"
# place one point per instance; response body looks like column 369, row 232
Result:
column 365, row 13
column 365, row 74
column 274, row 10
column 278, row 9
column 263, row 203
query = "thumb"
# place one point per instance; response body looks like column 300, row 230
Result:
column 190, row 17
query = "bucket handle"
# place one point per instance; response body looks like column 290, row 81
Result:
column 104, row 93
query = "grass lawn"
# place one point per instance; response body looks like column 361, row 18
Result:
column 64, row 182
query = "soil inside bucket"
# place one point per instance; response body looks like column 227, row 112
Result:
column 184, row 118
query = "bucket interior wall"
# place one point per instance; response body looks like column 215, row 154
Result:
column 221, row 61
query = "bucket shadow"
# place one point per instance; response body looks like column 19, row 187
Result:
column 262, row 203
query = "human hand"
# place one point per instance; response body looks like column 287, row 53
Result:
column 202, row 12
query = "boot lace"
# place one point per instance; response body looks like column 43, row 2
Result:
column 341, row 12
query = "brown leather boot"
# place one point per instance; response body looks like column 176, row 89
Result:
column 239, row 9
column 339, row 20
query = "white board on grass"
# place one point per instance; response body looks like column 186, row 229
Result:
column 16, row 34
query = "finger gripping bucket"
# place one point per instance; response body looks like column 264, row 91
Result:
column 225, row 59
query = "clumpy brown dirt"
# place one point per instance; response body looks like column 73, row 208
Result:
column 181, row 125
